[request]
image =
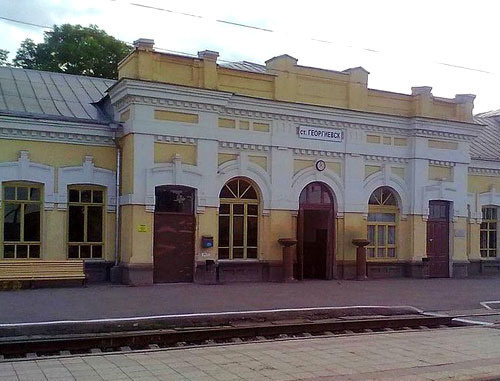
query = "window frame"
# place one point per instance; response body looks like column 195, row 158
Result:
column 231, row 202
column 383, row 208
column 85, row 242
column 23, row 203
column 487, row 231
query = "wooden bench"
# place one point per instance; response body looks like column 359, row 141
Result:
column 41, row 270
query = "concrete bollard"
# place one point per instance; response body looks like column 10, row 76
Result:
column 360, row 257
column 287, row 244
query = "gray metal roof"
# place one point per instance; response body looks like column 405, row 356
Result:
column 487, row 145
column 32, row 93
column 245, row 66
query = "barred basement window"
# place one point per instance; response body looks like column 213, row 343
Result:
column 238, row 220
column 85, row 222
column 488, row 232
column 22, row 207
column 382, row 217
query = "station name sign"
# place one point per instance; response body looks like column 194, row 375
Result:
column 318, row 133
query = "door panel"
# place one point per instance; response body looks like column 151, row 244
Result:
column 438, row 239
column 173, row 248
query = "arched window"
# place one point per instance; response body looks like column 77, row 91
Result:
column 238, row 220
column 22, row 208
column 382, row 223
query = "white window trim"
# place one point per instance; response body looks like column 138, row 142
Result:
column 25, row 170
column 86, row 174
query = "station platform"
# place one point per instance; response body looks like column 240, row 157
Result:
column 469, row 353
column 108, row 301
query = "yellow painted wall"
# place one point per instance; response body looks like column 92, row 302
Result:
column 482, row 184
column 136, row 247
column 442, row 144
column 398, row 171
column 416, row 237
column 287, row 81
column 278, row 224
column 54, row 235
column 299, row 164
column 227, row 123
column 474, row 243
column 224, row 157
column 371, row 169
column 437, row 172
column 403, row 249
column 335, row 167
column 207, row 224
column 339, row 239
column 127, row 165
column 58, row 154
column 261, row 161
column 165, row 152
column 354, row 227
column 460, row 242
column 174, row 116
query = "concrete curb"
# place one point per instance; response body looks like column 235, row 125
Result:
column 199, row 320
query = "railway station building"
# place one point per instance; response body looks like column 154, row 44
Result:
column 189, row 169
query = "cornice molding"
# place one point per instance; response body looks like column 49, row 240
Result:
column 442, row 134
column 175, row 139
column 51, row 136
column 243, row 146
column 442, row 163
column 285, row 113
column 385, row 159
column 485, row 171
column 308, row 152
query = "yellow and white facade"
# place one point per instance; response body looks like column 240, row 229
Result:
column 328, row 158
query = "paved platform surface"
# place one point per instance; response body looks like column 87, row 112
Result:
column 112, row 301
column 443, row 354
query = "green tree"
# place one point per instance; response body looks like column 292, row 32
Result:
column 74, row 49
column 4, row 56
column 25, row 56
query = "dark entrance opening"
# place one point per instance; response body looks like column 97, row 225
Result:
column 438, row 237
column 174, row 231
column 315, row 233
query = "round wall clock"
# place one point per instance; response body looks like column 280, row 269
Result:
column 320, row 165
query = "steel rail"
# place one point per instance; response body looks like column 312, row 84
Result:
column 47, row 344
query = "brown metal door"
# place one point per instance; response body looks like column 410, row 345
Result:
column 174, row 232
column 438, row 226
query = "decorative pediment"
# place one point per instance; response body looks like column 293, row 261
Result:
column 88, row 174
column 25, row 170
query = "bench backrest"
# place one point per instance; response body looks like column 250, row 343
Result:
column 28, row 269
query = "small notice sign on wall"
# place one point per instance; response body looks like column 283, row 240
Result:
column 142, row 228
column 318, row 133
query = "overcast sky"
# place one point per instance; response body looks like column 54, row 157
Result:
column 401, row 43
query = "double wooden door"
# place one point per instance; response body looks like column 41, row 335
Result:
column 438, row 233
column 174, row 234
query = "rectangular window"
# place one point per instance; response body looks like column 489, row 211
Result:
column 381, row 232
column 21, row 220
column 488, row 233
column 85, row 222
column 238, row 230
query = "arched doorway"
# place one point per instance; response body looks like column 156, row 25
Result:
column 315, row 233
column 174, row 230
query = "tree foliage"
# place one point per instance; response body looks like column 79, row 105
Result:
column 74, row 49
column 4, row 56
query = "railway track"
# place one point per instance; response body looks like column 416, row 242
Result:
column 46, row 345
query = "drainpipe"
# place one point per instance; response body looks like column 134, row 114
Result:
column 115, row 271
column 117, row 213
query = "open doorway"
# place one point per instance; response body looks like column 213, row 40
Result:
column 315, row 233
